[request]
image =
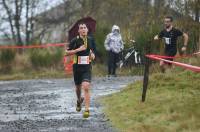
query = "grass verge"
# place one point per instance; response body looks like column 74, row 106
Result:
column 98, row 70
column 33, row 74
column 172, row 104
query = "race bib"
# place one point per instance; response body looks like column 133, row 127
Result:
column 83, row 60
column 167, row 40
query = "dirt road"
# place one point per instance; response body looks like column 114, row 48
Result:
column 49, row 105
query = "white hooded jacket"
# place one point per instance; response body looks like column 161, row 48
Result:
column 114, row 41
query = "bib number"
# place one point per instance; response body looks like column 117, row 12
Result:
column 167, row 41
column 83, row 60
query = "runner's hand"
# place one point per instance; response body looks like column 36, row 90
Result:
column 156, row 37
column 92, row 56
column 184, row 48
column 81, row 48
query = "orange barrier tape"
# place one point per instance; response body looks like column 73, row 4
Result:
column 67, row 60
column 33, row 46
column 172, row 57
column 68, row 64
column 186, row 66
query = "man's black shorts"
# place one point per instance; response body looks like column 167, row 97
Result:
column 82, row 74
column 170, row 53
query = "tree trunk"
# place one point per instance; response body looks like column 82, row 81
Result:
column 27, row 22
column 10, row 20
column 157, row 7
column 197, row 14
column 186, row 8
column 17, row 21
column 199, row 43
column 146, row 12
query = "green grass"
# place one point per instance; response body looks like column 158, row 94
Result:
column 46, row 63
column 98, row 70
column 34, row 74
column 172, row 104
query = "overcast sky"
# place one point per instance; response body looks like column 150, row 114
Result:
column 47, row 4
column 44, row 5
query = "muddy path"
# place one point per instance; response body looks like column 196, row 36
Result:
column 49, row 105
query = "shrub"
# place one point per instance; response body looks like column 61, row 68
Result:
column 100, row 36
column 44, row 58
column 7, row 57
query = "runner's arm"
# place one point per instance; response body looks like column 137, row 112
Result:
column 74, row 51
column 185, row 37
column 156, row 37
column 92, row 55
column 159, row 36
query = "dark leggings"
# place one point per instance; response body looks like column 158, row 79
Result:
column 113, row 58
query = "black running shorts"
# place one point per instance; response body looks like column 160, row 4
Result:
column 81, row 74
column 170, row 53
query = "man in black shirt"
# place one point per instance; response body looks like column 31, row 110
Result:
column 170, row 36
column 81, row 48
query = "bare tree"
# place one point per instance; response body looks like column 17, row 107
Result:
column 17, row 19
column 197, row 10
column 21, row 19
column 158, row 5
column 10, row 19
column 27, row 22
column 14, row 18
column 31, row 6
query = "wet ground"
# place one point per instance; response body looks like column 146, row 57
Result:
column 49, row 105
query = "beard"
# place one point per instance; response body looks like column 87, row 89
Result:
column 167, row 26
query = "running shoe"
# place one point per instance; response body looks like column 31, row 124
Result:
column 78, row 105
column 86, row 114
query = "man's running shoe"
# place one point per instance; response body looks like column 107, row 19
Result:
column 86, row 114
column 78, row 105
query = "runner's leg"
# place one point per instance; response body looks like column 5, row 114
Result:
column 162, row 66
column 86, row 87
column 78, row 92
column 77, row 80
